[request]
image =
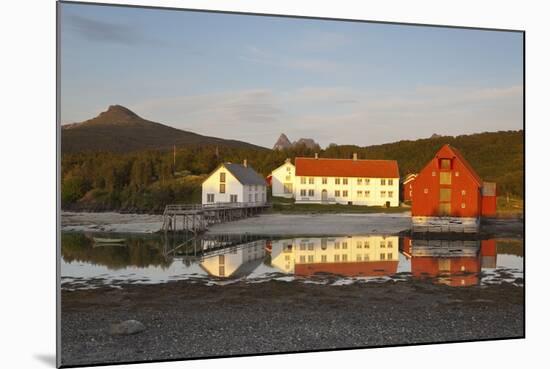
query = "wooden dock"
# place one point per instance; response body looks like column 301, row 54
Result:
column 444, row 225
column 196, row 218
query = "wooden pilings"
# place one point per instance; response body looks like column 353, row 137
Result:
column 197, row 218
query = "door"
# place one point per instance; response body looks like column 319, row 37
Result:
column 444, row 201
column 324, row 196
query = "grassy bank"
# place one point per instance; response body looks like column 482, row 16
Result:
column 509, row 206
column 288, row 206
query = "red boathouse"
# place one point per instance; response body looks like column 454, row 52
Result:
column 448, row 195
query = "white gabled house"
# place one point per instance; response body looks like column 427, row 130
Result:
column 282, row 180
column 231, row 182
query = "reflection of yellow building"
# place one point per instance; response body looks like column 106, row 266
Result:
column 235, row 262
column 344, row 255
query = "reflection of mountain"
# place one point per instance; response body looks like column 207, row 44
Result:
column 236, row 261
column 348, row 256
column 137, row 252
column 451, row 262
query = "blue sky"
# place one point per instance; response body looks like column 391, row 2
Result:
column 252, row 77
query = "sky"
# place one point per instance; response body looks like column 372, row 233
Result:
column 252, row 78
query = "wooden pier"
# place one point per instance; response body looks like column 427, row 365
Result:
column 196, row 218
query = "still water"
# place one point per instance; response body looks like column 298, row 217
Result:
column 138, row 259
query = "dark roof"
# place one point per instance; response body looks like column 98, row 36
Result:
column 245, row 175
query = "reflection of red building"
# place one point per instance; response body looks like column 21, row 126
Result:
column 456, row 263
column 448, row 186
column 353, row 269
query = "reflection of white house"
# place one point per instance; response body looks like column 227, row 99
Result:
column 355, row 255
column 343, row 181
column 282, row 180
column 234, row 183
column 236, row 262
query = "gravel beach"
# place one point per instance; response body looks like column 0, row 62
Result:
column 184, row 320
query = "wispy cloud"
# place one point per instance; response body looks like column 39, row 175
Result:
column 341, row 115
column 101, row 31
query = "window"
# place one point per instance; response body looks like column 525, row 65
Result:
column 209, row 197
column 324, row 180
column 367, row 193
column 463, row 206
column 457, row 174
column 367, row 181
column 390, row 182
column 311, row 180
column 359, row 193
column 222, row 177
column 433, row 174
column 445, row 178
column 390, row 255
column 390, row 244
column 425, row 190
column 366, row 257
column 323, row 258
column 463, row 192
column 382, row 244
column 233, row 198
column 382, row 193
column 445, row 164
column 337, row 245
column 249, row 197
column 302, row 258
column 222, row 187
column 344, row 193
column 287, row 257
column 288, row 169
column 310, row 258
column 345, row 257
column 359, row 244
column 445, row 208
column 344, row 245
column 345, row 181
column 303, row 180
column 382, row 256
column 310, row 246
column 302, row 192
column 255, row 197
column 444, row 194
column 383, row 182
column 359, row 181
column 358, row 257
column 337, row 193
column 336, row 258
column 287, row 188
column 337, row 181
column 302, row 246
column 311, row 193
column 390, row 194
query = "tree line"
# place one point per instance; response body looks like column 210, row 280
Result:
column 148, row 180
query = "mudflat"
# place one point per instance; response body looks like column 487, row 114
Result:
column 186, row 320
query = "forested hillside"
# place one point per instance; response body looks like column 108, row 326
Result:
column 147, row 180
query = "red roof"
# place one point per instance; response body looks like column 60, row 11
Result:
column 346, row 168
column 349, row 269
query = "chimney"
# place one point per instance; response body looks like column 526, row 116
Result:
column 245, row 163
column 354, row 156
column 316, row 156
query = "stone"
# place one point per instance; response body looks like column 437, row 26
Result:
column 127, row 327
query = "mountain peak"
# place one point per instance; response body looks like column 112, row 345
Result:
column 119, row 112
column 282, row 143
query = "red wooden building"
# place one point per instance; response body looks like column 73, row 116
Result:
column 449, row 187
column 408, row 186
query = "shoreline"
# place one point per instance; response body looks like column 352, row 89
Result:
column 185, row 320
column 277, row 224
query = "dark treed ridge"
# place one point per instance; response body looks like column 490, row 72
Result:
column 148, row 180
